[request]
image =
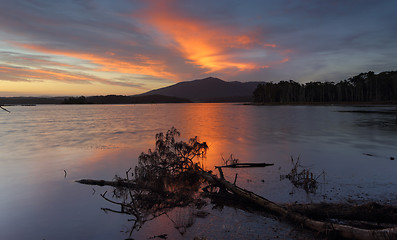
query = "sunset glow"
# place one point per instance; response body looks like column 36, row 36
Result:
column 205, row 46
column 110, row 63
column 132, row 47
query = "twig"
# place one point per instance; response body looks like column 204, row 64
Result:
column 220, row 172
column 5, row 109
column 235, row 179
column 126, row 173
column 114, row 211
column 107, row 199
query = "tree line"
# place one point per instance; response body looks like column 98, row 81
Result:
column 365, row 87
column 120, row 99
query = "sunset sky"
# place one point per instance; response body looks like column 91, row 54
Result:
column 99, row 47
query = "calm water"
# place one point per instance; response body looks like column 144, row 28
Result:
column 93, row 141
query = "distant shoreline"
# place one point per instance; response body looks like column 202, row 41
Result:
column 356, row 104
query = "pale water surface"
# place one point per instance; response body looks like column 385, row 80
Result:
column 98, row 141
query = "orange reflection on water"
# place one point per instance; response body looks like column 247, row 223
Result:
column 207, row 121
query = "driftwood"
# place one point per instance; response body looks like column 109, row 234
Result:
column 246, row 165
column 5, row 109
column 303, row 214
column 126, row 184
column 320, row 226
column 168, row 177
column 240, row 165
column 370, row 212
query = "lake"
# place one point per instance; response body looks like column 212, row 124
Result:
column 45, row 148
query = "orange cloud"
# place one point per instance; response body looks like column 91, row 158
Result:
column 144, row 65
column 284, row 60
column 49, row 63
column 270, row 45
column 4, row 69
column 27, row 74
column 211, row 48
column 62, row 76
column 19, row 74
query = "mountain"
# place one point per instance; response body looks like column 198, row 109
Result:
column 202, row 90
column 209, row 90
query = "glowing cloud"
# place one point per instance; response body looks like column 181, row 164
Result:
column 109, row 62
column 210, row 47
column 21, row 74
column 127, row 47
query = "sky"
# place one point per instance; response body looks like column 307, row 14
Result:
column 101, row 47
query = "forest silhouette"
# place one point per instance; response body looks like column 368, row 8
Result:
column 365, row 87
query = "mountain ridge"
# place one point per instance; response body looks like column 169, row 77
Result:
column 208, row 89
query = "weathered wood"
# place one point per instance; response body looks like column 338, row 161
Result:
column 127, row 184
column 370, row 212
column 282, row 211
column 245, row 165
column 220, row 172
column 320, row 226
column 5, row 109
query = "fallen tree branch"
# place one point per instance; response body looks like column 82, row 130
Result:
column 370, row 212
column 303, row 214
column 320, row 226
column 245, row 165
column 5, row 109
column 126, row 184
column 168, row 177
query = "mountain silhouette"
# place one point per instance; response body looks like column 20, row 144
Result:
column 208, row 90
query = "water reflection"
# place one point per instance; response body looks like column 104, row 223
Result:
column 226, row 129
column 165, row 178
column 95, row 141
column 206, row 122
column 176, row 208
column 165, row 186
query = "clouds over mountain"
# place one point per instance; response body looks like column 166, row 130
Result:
column 148, row 44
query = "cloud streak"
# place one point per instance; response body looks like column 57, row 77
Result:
column 212, row 48
column 21, row 74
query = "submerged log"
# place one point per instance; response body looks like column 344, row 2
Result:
column 320, row 226
column 246, row 165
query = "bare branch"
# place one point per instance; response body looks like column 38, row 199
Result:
column 5, row 109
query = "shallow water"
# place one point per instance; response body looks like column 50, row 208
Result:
column 39, row 201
